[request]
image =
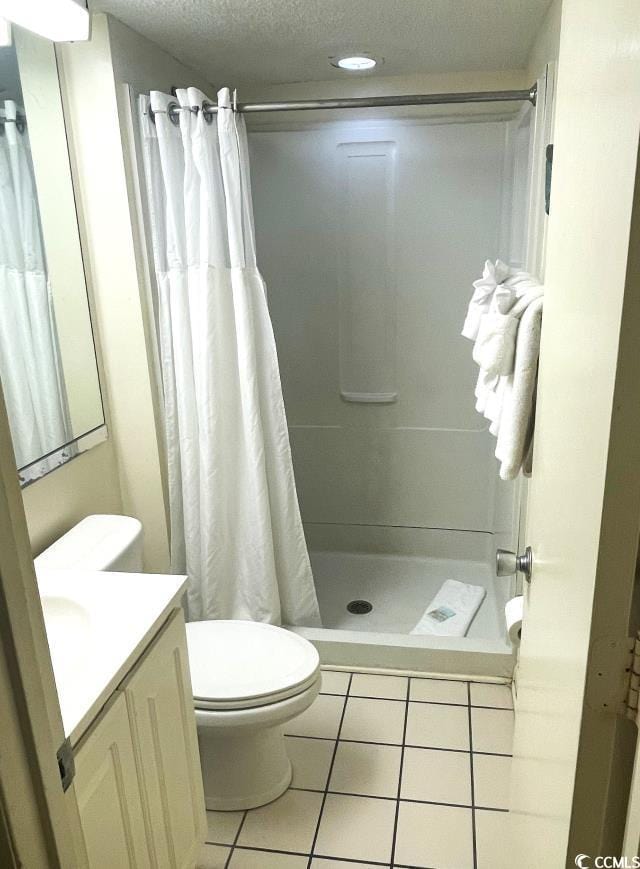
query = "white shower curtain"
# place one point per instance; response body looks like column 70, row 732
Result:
column 30, row 367
column 235, row 522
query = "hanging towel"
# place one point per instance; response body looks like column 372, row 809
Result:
column 506, row 346
column 495, row 345
column 515, row 435
column 452, row 610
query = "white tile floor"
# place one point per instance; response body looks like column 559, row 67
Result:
column 400, row 588
column 388, row 772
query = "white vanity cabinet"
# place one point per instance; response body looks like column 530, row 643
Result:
column 109, row 794
column 138, row 775
column 160, row 704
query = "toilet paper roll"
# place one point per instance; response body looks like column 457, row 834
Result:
column 513, row 617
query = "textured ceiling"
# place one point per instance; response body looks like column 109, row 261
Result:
column 276, row 41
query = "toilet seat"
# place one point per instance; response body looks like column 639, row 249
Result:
column 244, row 665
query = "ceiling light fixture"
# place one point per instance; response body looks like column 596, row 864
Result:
column 354, row 63
column 58, row 20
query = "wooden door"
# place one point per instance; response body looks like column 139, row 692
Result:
column 569, row 769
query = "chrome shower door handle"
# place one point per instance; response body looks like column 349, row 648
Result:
column 508, row 563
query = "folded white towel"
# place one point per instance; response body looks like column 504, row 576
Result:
column 452, row 610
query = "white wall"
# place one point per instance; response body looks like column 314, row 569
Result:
column 87, row 484
column 547, row 42
column 95, row 74
column 425, row 460
column 144, row 65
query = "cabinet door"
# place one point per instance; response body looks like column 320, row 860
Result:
column 108, row 793
column 162, row 718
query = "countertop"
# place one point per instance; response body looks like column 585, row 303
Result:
column 98, row 624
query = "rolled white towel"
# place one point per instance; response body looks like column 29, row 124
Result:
column 452, row 610
column 483, row 291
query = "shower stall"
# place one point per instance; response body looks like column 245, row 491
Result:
column 370, row 232
column 371, row 223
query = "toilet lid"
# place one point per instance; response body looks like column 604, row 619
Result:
column 237, row 664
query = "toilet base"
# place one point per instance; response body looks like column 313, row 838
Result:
column 245, row 770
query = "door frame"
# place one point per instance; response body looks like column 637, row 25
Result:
column 40, row 822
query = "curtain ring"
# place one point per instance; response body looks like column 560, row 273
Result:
column 207, row 112
column 173, row 113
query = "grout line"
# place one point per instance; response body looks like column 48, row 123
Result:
column 404, row 739
column 372, row 797
column 473, row 795
column 235, row 841
column 496, row 708
column 262, row 849
column 350, row 861
column 423, row 702
column 347, row 794
column 411, row 866
column 368, row 697
column 399, row 745
column 329, row 774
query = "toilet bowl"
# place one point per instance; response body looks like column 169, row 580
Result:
column 248, row 679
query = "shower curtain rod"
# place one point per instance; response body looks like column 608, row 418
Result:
column 209, row 109
column 401, row 100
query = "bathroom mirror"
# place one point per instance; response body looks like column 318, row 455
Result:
column 48, row 366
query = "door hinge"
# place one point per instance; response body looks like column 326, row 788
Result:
column 633, row 681
column 611, row 686
column 66, row 763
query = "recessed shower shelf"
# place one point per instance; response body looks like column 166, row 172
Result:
column 369, row 397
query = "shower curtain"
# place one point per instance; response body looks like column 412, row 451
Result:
column 30, row 367
column 235, row 522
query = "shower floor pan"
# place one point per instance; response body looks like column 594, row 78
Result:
column 399, row 589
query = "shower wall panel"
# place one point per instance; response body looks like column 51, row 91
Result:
column 424, row 460
column 366, row 285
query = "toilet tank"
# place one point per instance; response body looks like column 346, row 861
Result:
column 101, row 542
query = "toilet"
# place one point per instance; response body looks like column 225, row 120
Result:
column 248, row 678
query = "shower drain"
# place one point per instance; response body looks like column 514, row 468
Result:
column 359, row 607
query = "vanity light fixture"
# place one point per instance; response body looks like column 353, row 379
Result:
column 5, row 33
column 354, row 63
column 58, row 20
